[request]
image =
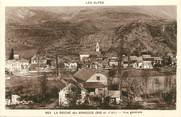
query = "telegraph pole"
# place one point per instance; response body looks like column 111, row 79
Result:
column 57, row 70
column 38, row 65
column 120, row 54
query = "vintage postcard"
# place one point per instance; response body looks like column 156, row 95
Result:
column 90, row 58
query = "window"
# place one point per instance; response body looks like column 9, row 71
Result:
column 67, row 95
column 98, row 77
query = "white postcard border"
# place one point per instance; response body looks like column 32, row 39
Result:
column 149, row 113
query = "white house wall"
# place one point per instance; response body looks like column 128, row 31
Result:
column 93, row 78
column 83, row 56
column 17, row 66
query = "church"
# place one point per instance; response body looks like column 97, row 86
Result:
column 92, row 59
column 84, row 55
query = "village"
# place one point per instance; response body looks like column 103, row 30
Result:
column 91, row 80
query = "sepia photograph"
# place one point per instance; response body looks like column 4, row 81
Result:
column 95, row 57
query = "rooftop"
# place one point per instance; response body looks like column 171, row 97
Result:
column 85, row 73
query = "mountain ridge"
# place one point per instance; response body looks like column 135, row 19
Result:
column 79, row 31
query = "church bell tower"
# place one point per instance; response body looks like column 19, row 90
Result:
column 97, row 47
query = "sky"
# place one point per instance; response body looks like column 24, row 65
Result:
column 168, row 12
column 165, row 11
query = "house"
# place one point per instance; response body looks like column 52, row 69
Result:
column 8, row 102
column 147, row 63
column 41, row 64
column 142, row 62
column 71, row 66
column 125, row 61
column 90, row 55
column 71, row 92
column 16, row 56
column 146, row 56
column 17, row 66
column 95, row 88
column 170, row 54
column 93, row 80
column 96, row 56
column 37, row 59
column 69, row 95
column 133, row 61
column 84, row 55
column 133, row 58
column 92, row 59
column 134, row 64
column 139, row 58
column 115, row 95
column 125, row 64
column 84, row 97
column 41, row 68
column 174, row 61
column 113, row 61
column 111, row 52
column 87, row 53
column 157, row 61
column 96, row 65
column 105, row 63
column 139, row 62
column 112, row 56
column 15, row 99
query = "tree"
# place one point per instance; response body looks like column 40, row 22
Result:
column 48, row 62
column 123, row 47
column 112, row 72
column 169, row 60
column 43, row 88
column 11, row 55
